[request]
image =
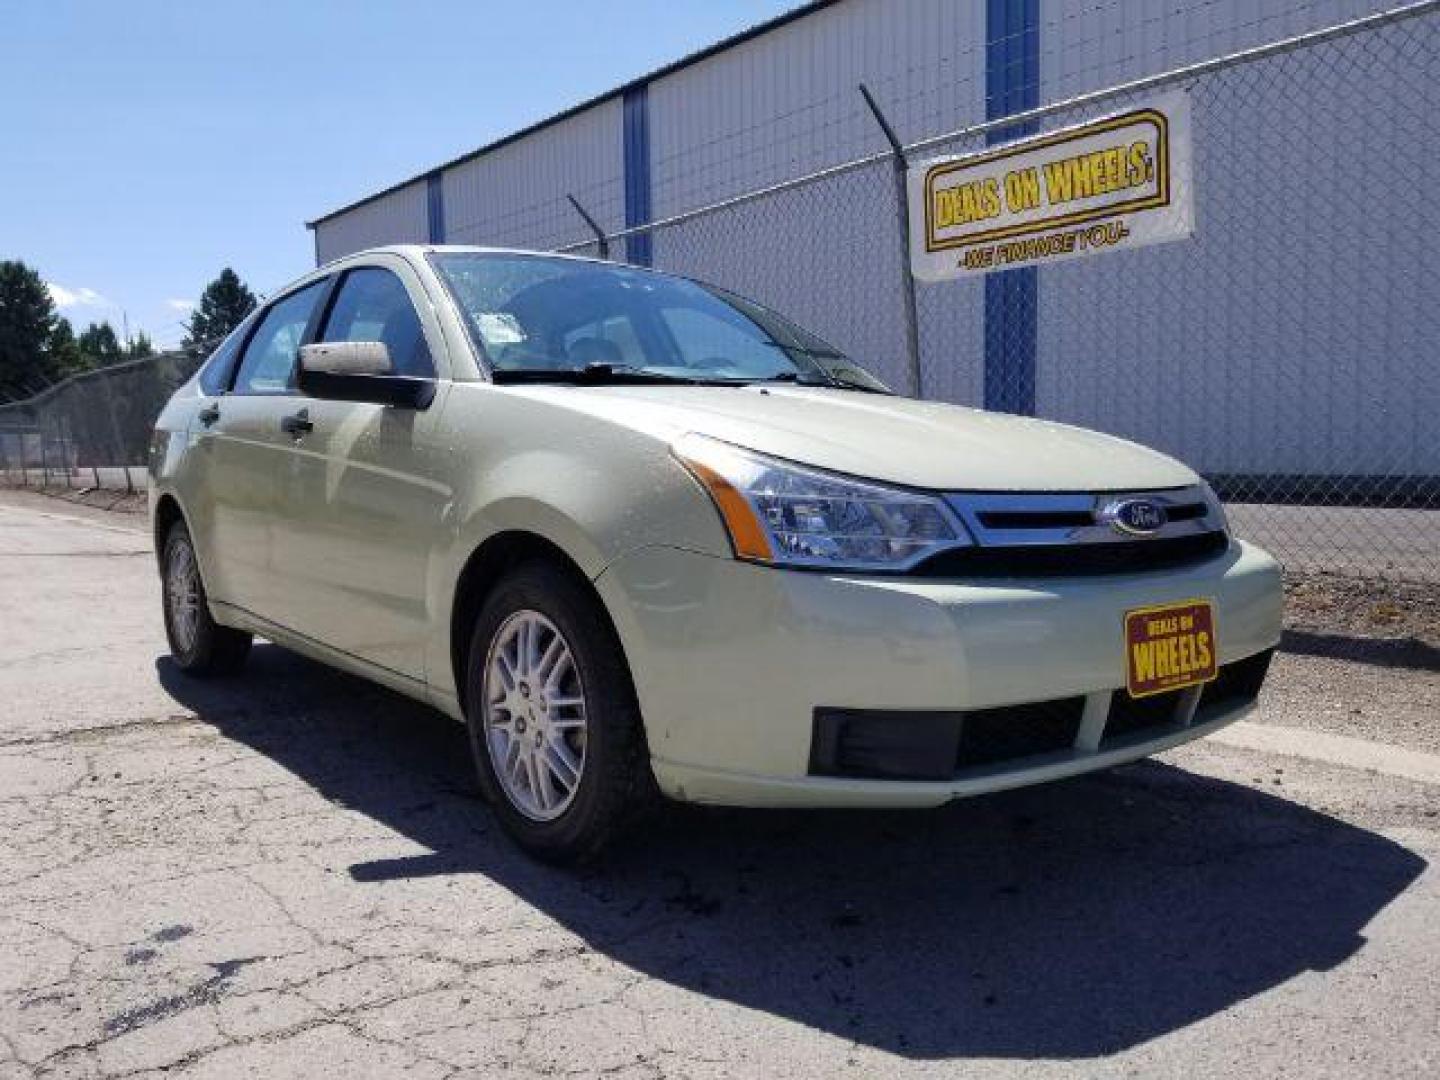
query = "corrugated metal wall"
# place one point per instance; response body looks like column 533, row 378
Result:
column 768, row 109
column 514, row 196
column 402, row 217
column 787, row 103
column 1218, row 344
column 1091, row 44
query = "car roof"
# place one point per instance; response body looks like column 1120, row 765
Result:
column 416, row 253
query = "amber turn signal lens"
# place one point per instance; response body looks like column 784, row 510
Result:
column 747, row 535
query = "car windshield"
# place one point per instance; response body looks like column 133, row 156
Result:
column 536, row 317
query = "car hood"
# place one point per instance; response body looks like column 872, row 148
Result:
column 922, row 444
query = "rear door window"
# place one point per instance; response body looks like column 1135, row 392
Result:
column 269, row 363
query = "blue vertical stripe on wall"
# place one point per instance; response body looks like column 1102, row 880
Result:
column 637, row 173
column 1012, row 84
column 435, row 208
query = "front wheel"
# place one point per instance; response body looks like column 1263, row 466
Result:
column 198, row 644
column 554, row 726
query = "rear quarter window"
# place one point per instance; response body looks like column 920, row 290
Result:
column 215, row 373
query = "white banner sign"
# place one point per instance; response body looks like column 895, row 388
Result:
column 1109, row 184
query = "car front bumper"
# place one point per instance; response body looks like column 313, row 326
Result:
column 732, row 660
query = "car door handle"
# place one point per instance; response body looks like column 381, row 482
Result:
column 297, row 424
column 208, row 415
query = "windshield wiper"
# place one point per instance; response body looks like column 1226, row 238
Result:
column 799, row 378
column 602, row 374
column 820, row 354
column 828, row 379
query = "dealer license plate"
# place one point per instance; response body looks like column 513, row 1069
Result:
column 1169, row 647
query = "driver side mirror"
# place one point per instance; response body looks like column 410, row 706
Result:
column 359, row 371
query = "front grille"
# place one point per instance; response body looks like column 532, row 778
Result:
column 894, row 744
column 1056, row 533
column 1036, row 519
column 1186, row 511
column 1048, row 519
column 1129, row 715
column 1238, row 682
column 988, row 736
column 1234, row 684
column 1125, row 557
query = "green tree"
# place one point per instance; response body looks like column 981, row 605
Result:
column 100, row 346
column 27, row 320
column 223, row 306
column 65, row 354
column 139, row 346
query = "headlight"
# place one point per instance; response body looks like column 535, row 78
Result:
column 793, row 516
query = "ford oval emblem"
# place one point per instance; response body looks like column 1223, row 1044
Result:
column 1134, row 517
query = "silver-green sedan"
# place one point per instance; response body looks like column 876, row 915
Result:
column 641, row 534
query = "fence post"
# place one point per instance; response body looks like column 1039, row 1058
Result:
column 44, row 461
column 115, row 430
column 600, row 238
column 67, row 450
column 907, row 279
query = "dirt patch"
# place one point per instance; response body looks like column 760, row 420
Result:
column 110, row 501
column 1332, row 604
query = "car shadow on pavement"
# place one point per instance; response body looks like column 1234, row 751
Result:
column 1071, row 920
column 1406, row 652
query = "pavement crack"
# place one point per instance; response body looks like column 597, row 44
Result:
column 102, row 730
column 76, row 554
column 205, row 993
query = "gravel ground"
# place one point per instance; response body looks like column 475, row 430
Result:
column 1363, row 694
column 1361, row 658
column 287, row 874
column 117, row 501
column 1330, row 604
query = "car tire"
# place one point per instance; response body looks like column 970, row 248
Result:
column 527, row 733
column 198, row 644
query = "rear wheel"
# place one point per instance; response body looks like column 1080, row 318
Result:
column 198, row 644
column 551, row 711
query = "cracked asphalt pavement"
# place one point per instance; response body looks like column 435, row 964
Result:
column 288, row 874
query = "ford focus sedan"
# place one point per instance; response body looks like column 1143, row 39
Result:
column 639, row 534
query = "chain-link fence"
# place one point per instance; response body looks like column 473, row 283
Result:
column 91, row 431
column 1288, row 350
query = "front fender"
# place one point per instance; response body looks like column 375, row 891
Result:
column 594, row 508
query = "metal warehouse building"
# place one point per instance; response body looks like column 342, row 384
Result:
column 1289, row 341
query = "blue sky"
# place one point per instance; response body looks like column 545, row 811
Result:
column 145, row 145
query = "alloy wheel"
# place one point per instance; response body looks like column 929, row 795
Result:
column 182, row 595
column 535, row 722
